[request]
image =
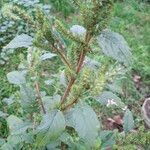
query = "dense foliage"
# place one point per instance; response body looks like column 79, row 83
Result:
column 69, row 73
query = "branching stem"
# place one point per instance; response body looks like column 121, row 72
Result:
column 62, row 56
column 79, row 67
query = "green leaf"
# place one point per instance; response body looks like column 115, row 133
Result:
column 20, row 138
column 78, row 30
column 7, row 146
column 22, row 40
column 16, row 77
column 128, row 124
column 51, row 127
column 16, row 125
column 2, row 114
column 84, row 120
column 91, row 63
column 47, row 56
column 28, row 99
column 51, row 102
column 114, row 45
column 2, row 141
column 53, row 145
column 106, row 97
column 107, row 139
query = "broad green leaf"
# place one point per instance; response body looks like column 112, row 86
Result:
column 16, row 125
column 107, row 139
column 107, row 97
column 28, row 99
column 114, row 45
column 16, row 77
column 51, row 127
column 128, row 122
column 84, row 120
column 22, row 40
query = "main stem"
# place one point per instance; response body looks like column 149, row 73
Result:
column 79, row 66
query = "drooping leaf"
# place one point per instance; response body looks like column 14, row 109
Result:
column 16, row 125
column 128, row 122
column 107, row 96
column 28, row 99
column 114, row 45
column 22, row 40
column 16, row 77
column 51, row 127
column 47, row 56
column 84, row 120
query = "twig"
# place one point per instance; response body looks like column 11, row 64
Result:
column 62, row 56
column 39, row 98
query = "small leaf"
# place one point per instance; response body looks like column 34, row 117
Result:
column 16, row 77
column 51, row 127
column 9, row 100
column 114, row 45
column 78, row 30
column 84, row 120
column 63, row 79
column 47, row 56
column 107, row 97
column 92, row 64
column 128, row 122
column 2, row 114
column 22, row 40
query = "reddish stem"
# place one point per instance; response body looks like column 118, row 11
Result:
column 72, row 81
column 39, row 98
